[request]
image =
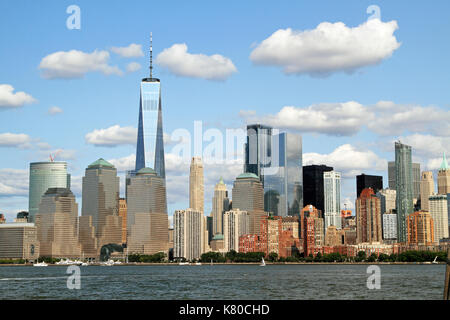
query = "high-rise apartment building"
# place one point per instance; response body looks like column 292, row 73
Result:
column 416, row 178
column 220, row 204
column 235, row 224
column 389, row 226
column 313, row 231
column 426, row 189
column 439, row 212
column 420, row 228
column 248, row 195
column 387, row 200
column 403, row 187
column 444, row 177
column 368, row 217
column 100, row 199
column 196, row 185
column 364, row 181
column 313, row 190
column 332, row 199
column 57, row 224
column 147, row 218
column 307, row 211
column 45, row 175
column 189, row 234
column 276, row 158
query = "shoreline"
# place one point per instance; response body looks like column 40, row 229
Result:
column 243, row 263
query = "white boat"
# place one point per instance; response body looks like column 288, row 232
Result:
column 198, row 263
column 183, row 263
column 263, row 264
column 211, row 262
column 434, row 261
column 40, row 264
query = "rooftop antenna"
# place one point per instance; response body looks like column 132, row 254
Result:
column 151, row 55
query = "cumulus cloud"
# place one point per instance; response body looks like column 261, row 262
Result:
column 330, row 47
column 13, row 182
column 132, row 51
column 75, row 64
column 385, row 118
column 340, row 119
column 112, row 136
column 11, row 99
column 348, row 160
column 54, row 110
column 125, row 163
column 15, row 140
column 133, row 67
column 181, row 63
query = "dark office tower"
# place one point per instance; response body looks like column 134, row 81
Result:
column 258, row 149
column 313, row 191
column 150, row 145
column 404, row 187
column 364, row 181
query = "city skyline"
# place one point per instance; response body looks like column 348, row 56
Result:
column 348, row 141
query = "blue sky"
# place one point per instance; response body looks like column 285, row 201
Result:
column 406, row 67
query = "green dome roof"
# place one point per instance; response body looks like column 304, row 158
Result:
column 101, row 162
column 247, row 175
column 218, row 237
column 146, row 171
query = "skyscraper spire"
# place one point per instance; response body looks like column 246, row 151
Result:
column 151, row 55
column 444, row 165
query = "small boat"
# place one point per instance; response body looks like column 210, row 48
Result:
column 263, row 264
column 434, row 261
column 198, row 263
column 211, row 262
column 108, row 263
column 183, row 263
column 40, row 264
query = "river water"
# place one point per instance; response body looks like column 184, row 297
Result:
column 224, row 282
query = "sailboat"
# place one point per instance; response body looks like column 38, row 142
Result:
column 211, row 262
column 434, row 261
column 263, row 264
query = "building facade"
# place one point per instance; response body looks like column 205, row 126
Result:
column 147, row 218
column 220, row 204
column 57, row 224
column 188, row 234
column 313, row 190
column 364, row 181
column 439, row 213
column 248, row 195
column 196, row 185
column 235, row 224
column 420, row 228
column 444, row 177
column 18, row 241
column 403, row 187
column 368, row 217
column 427, row 189
column 389, row 226
column 45, row 175
column 332, row 199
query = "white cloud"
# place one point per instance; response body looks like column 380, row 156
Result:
column 54, row 110
column 348, row 160
column 133, row 67
column 13, row 182
column 112, row 136
column 125, row 163
column 394, row 119
column 11, row 99
column 75, row 64
column 330, row 47
column 181, row 63
column 15, row 140
column 340, row 119
column 132, row 51
column 385, row 118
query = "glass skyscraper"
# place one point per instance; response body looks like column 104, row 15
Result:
column 45, row 175
column 404, row 187
column 277, row 160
